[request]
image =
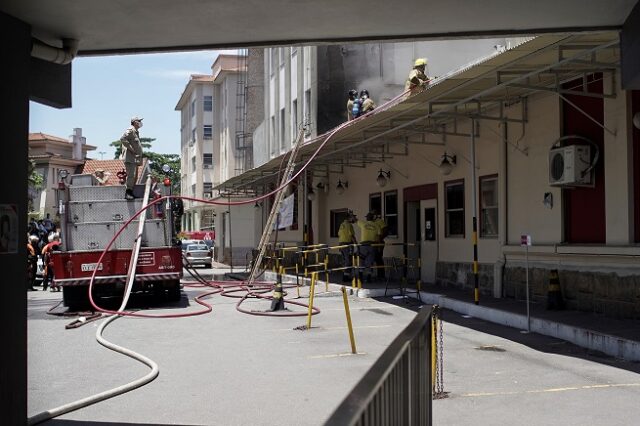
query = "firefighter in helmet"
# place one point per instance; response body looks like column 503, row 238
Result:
column 131, row 154
column 353, row 105
column 367, row 102
column 417, row 80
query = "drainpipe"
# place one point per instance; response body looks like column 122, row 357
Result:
column 503, row 239
column 57, row 55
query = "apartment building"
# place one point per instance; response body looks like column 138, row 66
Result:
column 51, row 154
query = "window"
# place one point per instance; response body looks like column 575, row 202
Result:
column 193, row 164
column 294, row 224
column 207, row 188
column 489, row 206
column 208, row 103
column 307, row 112
column 207, row 131
column 207, row 161
column 337, row 217
column 375, row 202
column 454, row 208
column 391, row 212
column 193, row 190
column 193, row 135
column 273, row 135
column 193, row 107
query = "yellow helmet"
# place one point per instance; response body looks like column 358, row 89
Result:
column 420, row 62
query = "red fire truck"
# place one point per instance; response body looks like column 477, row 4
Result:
column 91, row 215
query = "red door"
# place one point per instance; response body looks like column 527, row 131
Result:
column 584, row 208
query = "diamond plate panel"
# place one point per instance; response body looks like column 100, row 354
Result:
column 96, row 193
column 96, row 235
column 102, row 211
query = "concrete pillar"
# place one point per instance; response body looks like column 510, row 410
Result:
column 14, row 93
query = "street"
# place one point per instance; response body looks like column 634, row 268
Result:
column 228, row 368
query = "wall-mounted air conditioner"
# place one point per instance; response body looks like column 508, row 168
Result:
column 570, row 165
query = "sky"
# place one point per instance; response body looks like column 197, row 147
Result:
column 108, row 90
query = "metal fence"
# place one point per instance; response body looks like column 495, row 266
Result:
column 397, row 388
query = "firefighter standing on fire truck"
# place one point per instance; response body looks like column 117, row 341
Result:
column 131, row 154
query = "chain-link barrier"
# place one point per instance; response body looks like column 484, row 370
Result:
column 438, row 354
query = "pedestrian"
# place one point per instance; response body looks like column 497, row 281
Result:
column 131, row 154
column 48, row 224
column 346, row 239
column 353, row 105
column 383, row 231
column 417, row 80
column 32, row 262
column 47, row 262
column 368, row 236
column 367, row 103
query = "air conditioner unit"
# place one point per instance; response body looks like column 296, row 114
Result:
column 208, row 195
column 568, row 165
column 207, row 166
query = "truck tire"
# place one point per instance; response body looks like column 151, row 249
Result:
column 174, row 291
column 76, row 298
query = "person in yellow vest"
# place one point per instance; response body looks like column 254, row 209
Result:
column 346, row 237
column 417, row 80
column 368, row 236
column 382, row 234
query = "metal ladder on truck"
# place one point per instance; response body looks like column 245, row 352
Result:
column 275, row 209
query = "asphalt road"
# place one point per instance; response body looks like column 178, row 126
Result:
column 228, row 368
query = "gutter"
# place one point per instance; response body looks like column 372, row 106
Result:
column 61, row 56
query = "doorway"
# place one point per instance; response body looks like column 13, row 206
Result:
column 428, row 240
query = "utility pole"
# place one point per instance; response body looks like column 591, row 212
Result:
column 102, row 153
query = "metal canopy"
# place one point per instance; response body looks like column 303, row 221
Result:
column 479, row 90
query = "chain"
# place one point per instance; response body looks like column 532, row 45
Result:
column 440, row 360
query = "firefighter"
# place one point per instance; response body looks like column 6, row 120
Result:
column 32, row 262
column 353, row 105
column 47, row 263
column 131, row 154
column 417, row 80
column 367, row 102
column 368, row 235
column 346, row 237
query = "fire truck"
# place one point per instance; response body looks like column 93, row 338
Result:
column 91, row 215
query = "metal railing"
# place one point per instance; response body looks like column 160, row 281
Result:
column 397, row 388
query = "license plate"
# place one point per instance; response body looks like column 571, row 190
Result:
column 87, row 267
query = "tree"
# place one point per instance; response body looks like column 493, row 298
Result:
column 145, row 142
column 156, row 161
column 35, row 182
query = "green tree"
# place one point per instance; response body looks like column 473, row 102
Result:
column 156, row 161
column 145, row 142
column 35, row 183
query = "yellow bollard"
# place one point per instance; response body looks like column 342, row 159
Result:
column 311, row 294
column 349, row 326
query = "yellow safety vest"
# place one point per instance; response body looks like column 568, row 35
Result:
column 345, row 233
column 368, row 231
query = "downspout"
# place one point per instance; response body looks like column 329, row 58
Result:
column 57, row 55
column 503, row 239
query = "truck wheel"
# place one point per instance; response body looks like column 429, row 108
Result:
column 76, row 298
column 174, row 292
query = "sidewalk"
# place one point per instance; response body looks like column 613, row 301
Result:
column 616, row 337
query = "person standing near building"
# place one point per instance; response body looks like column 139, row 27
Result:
column 379, row 247
column 368, row 236
column 366, row 101
column 131, row 154
column 353, row 105
column 47, row 262
column 346, row 237
column 417, row 80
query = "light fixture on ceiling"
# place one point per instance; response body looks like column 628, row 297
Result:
column 382, row 180
column 341, row 186
column 447, row 163
column 322, row 187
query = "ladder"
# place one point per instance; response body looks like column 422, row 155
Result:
column 275, row 209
